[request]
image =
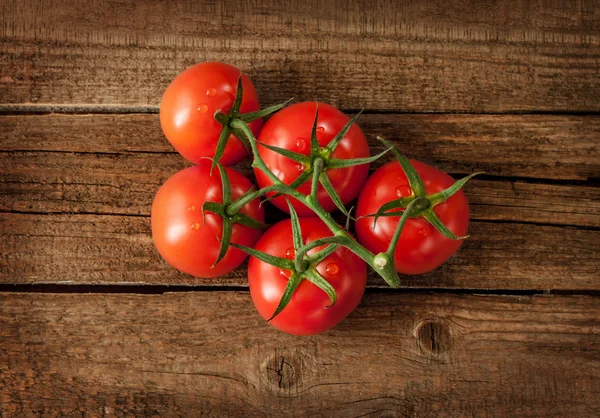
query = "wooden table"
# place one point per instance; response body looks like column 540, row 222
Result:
column 93, row 322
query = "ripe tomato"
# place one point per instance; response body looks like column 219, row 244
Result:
column 421, row 248
column 307, row 312
column 290, row 128
column 179, row 232
column 188, row 106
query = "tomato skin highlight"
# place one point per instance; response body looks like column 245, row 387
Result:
column 421, row 247
column 179, row 232
column 290, row 128
column 307, row 312
column 188, row 106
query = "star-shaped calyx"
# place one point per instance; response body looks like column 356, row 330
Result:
column 303, row 267
column 320, row 160
column 226, row 120
column 418, row 204
column 229, row 219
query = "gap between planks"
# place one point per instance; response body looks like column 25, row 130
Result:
column 148, row 289
column 90, row 109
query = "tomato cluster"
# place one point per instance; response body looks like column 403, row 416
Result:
column 306, row 273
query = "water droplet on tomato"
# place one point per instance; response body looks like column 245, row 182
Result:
column 192, row 208
column 403, row 191
column 202, row 108
column 211, row 92
column 196, row 226
column 290, row 253
column 320, row 130
column 300, row 168
column 332, row 269
column 423, row 232
column 285, row 274
column 300, row 144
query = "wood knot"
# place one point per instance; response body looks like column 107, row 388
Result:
column 283, row 372
column 433, row 337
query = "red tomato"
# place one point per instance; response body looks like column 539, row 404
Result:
column 307, row 312
column 290, row 128
column 181, row 236
column 189, row 104
column 421, row 248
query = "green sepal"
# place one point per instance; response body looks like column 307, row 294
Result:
column 319, row 281
column 282, row 263
column 227, row 227
column 290, row 288
column 303, row 177
column 433, row 219
column 225, row 184
column 340, row 135
column 314, row 185
column 414, row 180
column 213, row 207
column 252, row 116
column 294, row 156
column 347, row 225
column 237, row 102
column 221, row 144
column 336, row 239
column 437, row 198
column 326, row 183
column 243, row 219
column 314, row 142
column 225, row 239
column 227, row 224
column 394, row 204
column 321, row 255
column 296, row 230
column 351, row 162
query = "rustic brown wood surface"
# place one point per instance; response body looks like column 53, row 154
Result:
column 508, row 88
column 101, row 249
column 415, row 55
column 209, row 353
column 559, row 147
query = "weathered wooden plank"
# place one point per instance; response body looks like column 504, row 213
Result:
column 115, row 163
column 534, row 146
column 211, row 354
column 94, row 249
column 125, row 184
column 411, row 56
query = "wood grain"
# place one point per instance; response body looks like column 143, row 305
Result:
column 95, row 249
column 211, row 354
column 125, row 184
column 462, row 56
column 533, row 146
column 113, row 164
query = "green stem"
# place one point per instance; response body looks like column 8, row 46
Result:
column 300, row 265
column 258, row 161
column 415, row 204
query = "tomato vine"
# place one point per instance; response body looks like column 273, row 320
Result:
column 419, row 204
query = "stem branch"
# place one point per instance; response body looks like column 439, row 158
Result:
column 388, row 274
